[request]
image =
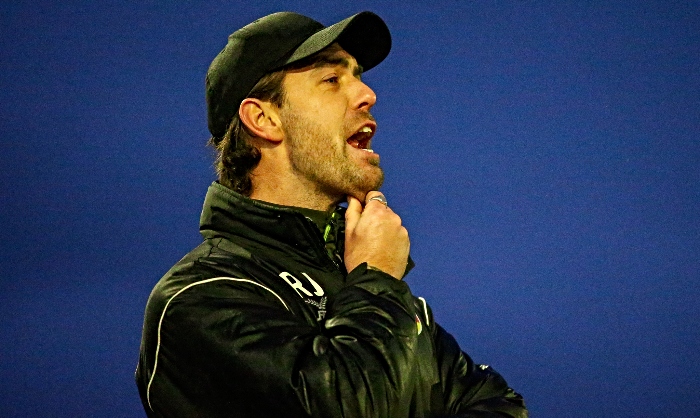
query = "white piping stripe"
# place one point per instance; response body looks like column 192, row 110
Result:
column 160, row 323
column 425, row 311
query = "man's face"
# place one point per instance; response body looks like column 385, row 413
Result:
column 328, row 126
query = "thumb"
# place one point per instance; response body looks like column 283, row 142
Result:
column 352, row 214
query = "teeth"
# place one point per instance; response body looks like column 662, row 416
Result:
column 367, row 149
column 366, row 129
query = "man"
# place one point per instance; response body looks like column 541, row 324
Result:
column 292, row 306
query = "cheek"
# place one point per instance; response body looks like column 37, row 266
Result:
column 324, row 113
column 329, row 110
column 331, row 121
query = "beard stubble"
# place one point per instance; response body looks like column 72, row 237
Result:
column 324, row 160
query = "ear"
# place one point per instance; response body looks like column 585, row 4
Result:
column 262, row 119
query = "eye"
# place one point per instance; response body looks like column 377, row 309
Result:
column 331, row 79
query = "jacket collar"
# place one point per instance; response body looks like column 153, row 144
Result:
column 232, row 215
column 282, row 228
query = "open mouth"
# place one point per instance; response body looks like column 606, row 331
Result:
column 362, row 139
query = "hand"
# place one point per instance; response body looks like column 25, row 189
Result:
column 374, row 235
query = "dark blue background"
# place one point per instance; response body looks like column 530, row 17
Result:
column 545, row 157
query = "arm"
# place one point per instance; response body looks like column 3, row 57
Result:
column 231, row 348
column 472, row 390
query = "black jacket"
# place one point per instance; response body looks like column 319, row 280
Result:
column 260, row 321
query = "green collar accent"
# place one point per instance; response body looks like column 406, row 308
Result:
column 332, row 227
column 318, row 217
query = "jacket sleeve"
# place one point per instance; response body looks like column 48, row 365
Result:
column 359, row 362
column 472, row 390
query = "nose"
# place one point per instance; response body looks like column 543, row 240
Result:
column 365, row 97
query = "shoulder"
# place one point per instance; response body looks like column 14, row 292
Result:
column 217, row 268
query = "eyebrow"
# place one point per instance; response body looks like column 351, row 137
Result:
column 324, row 61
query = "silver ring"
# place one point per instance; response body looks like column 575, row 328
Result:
column 379, row 198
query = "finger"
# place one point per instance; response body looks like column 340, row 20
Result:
column 375, row 197
column 372, row 194
column 352, row 214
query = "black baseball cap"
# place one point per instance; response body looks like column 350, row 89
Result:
column 279, row 39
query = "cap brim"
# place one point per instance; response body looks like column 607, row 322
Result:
column 365, row 36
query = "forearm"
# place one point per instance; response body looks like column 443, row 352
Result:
column 473, row 390
column 355, row 363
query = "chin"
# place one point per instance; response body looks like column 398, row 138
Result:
column 360, row 182
column 361, row 192
column 361, row 195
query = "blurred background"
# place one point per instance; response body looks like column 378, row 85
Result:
column 544, row 156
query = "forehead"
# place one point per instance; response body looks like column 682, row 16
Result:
column 334, row 51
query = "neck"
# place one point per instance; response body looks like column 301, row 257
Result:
column 290, row 191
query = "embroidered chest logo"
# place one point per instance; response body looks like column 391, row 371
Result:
column 307, row 295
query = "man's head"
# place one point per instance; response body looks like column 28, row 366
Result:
column 265, row 62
